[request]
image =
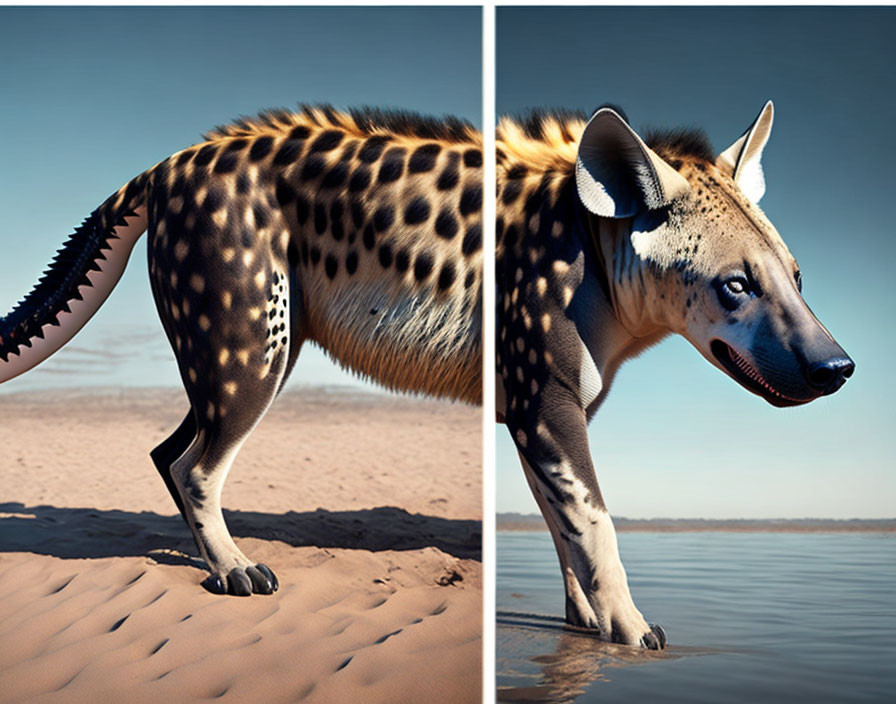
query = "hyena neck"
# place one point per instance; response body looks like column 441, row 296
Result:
column 544, row 230
column 633, row 291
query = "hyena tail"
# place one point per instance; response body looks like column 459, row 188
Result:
column 78, row 280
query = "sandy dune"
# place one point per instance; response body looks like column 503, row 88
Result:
column 367, row 508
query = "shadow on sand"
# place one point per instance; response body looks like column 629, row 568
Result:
column 92, row 533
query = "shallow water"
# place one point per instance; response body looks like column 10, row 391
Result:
column 762, row 617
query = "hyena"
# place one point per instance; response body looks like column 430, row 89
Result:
column 607, row 243
column 359, row 231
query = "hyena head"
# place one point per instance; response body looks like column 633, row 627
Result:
column 688, row 250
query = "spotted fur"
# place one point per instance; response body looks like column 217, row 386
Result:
column 358, row 231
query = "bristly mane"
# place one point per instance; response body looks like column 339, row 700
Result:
column 413, row 124
column 540, row 139
column 364, row 121
column 682, row 142
column 547, row 139
column 535, row 121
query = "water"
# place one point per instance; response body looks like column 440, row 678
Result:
column 763, row 617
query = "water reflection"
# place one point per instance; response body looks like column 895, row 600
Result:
column 540, row 659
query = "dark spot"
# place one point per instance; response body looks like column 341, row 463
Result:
column 177, row 188
column 368, row 237
column 331, row 266
column 423, row 266
column 261, row 147
column 393, row 165
column 303, row 209
column 315, row 255
column 417, row 211
column 470, row 278
column 227, row 163
column 446, row 225
column 385, row 255
column 284, row 192
column 360, row 180
column 320, row 218
column 305, row 252
column 326, row 141
column 184, row 157
column 337, row 209
column 357, row 213
column 402, row 261
column 351, row 262
column 214, row 200
column 423, row 158
column 247, row 239
column 473, row 158
column 446, row 276
column 242, row 183
column 511, row 192
column 335, row 177
column 373, row 148
column 450, row 175
column 472, row 239
column 313, row 168
column 383, row 218
column 517, row 171
column 471, row 199
column 205, row 155
column 299, row 132
column 262, row 216
column 288, row 153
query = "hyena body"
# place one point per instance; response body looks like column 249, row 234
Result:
column 360, row 232
column 606, row 245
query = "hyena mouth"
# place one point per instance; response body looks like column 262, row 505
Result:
column 749, row 377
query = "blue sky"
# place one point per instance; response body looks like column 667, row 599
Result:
column 93, row 96
column 676, row 437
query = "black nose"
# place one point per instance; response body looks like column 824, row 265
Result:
column 831, row 374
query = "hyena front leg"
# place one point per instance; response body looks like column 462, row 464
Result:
column 550, row 434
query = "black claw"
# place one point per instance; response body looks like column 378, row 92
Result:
column 660, row 634
column 260, row 583
column 238, row 582
column 214, row 584
column 267, row 572
column 650, row 642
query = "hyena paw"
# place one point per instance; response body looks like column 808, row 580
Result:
column 637, row 632
column 655, row 639
column 244, row 581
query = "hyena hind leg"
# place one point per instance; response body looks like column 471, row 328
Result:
column 170, row 449
column 232, row 359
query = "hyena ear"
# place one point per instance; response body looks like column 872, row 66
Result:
column 618, row 175
column 743, row 159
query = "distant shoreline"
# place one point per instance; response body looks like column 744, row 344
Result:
column 516, row 522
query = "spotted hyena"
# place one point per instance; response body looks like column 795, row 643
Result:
column 606, row 244
column 359, row 231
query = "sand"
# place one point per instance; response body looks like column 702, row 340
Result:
column 367, row 507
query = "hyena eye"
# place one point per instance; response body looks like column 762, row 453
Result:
column 732, row 291
column 736, row 286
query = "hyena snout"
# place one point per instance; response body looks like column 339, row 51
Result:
column 827, row 373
